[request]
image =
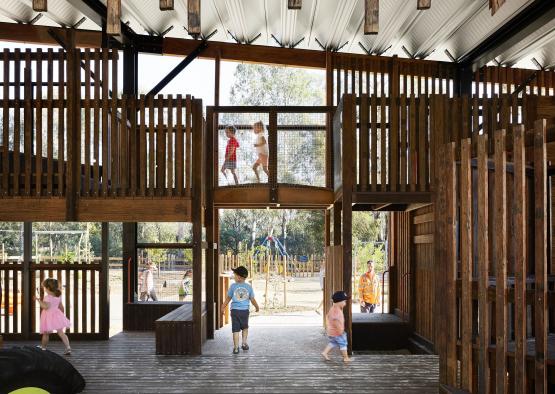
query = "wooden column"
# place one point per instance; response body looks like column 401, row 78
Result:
column 393, row 124
column 217, row 63
column 348, row 175
column 196, row 216
column 500, row 204
column 130, row 271
column 104, row 298
column 520, row 257
column 483, row 265
column 540, row 255
column 166, row 5
column 423, row 4
column 73, row 72
column 211, row 236
column 27, row 291
column 294, row 4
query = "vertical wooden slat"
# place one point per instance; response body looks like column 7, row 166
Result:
column 364, row 143
column 160, row 149
column 500, row 204
column 422, row 142
column 132, row 135
column 96, row 124
column 61, row 123
column 93, row 301
column 403, row 155
column 75, row 301
column 179, row 146
column 374, row 139
column 520, row 239
column 38, row 126
column 188, row 153
column 115, row 184
column 5, row 123
column 540, row 255
column 413, row 159
column 483, row 264
column 17, row 122
column 383, row 137
column 50, row 123
column 105, row 135
column 170, row 144
column 451, row 264
column 122, row 160
column 466, row 262
column 142, row 146
column 67, row 292
column 84, row 302
column 394, row 124
column 87, row 142
column 151, row 146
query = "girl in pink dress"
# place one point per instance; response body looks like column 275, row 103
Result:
column 52, row 317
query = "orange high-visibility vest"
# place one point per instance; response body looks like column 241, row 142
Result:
column 369, row 288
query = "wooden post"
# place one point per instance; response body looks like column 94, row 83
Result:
column 196, row 215
column 520, row 257
column 466, row 262
column 371, row 16
column 423, row 4
column 166, row 5
column 294, row 4
column 73, row 125
column 272, row 163
column 284, row 281
column 483, row 265
column 266, row 284
column 540, row 255
column 210, row 216
column 500, row 204
column 113, row 18
column 104, row 299
column 348, row 169
column 40, row 5
column 193, row 7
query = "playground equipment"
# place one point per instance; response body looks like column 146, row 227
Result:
column 278, row 246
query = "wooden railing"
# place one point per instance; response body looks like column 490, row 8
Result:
column 393, row 141
column 289, row 266
column 67, row 133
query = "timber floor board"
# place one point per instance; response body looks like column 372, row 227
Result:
column 282, row 359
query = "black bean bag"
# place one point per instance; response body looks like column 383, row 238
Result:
column 33, row 367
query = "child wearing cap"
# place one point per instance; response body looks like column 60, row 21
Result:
column 241, row 295
column 335, row 326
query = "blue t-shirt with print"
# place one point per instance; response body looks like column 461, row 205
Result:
column 240, row 294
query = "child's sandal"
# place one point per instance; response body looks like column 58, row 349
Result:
column 67, row 352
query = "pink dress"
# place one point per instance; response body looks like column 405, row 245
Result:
column 52, row 319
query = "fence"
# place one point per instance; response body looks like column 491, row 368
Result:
column 286, row 266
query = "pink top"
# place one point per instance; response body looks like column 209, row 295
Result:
column 52, row 319
column 335, row 322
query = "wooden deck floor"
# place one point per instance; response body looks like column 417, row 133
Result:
column 281, row 359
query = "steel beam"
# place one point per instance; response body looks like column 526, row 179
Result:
column 526, row 22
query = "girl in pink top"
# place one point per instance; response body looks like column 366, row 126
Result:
column 52, row 317
column 335, row 326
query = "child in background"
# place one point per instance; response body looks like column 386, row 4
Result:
column 186, row 285
column 335, row 326
column 230, row 162
column 262, row 150
column 241, row 295
column 52, row 317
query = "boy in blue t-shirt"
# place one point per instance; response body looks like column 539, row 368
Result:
column 241, row 295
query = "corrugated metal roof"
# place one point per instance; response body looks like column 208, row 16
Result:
column 455, row 25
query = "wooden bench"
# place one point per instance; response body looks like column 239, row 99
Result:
column 174, row 331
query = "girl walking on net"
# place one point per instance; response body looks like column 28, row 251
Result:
column 261, row 149
column 52, row 317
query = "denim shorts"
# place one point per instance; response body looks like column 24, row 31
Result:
column 239, row 320
column 339, row 341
